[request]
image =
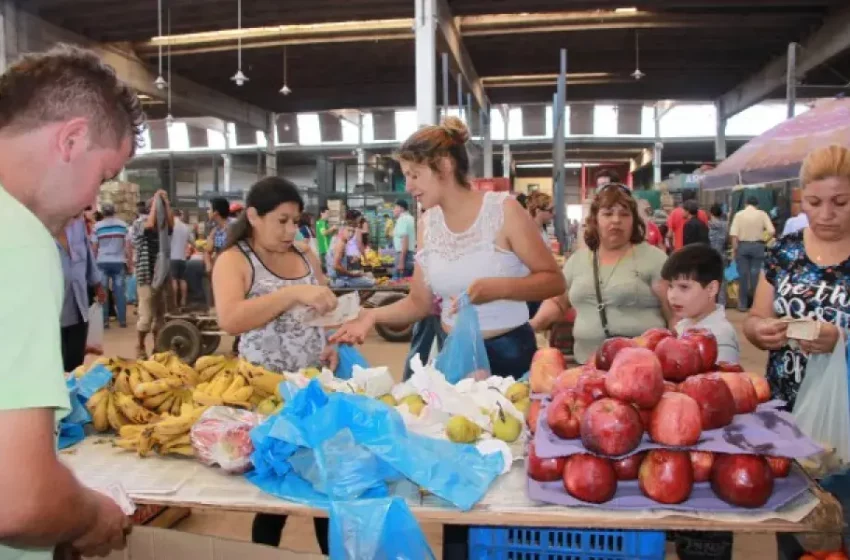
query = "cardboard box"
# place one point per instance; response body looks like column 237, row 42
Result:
column 147, row 543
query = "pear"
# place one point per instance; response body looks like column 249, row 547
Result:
column 270, row 405
column 311, row 372
column 523, row 405
column 517, row 392
column 462, row 430
column 506, row 427
column 414, row 403
column 388, row 399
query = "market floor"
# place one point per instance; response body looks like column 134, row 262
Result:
column 298, row 535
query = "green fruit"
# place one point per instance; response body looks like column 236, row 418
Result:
column 523, row 405
column 460, row 429
column 506, row 427
column 311, row 372
column 388, row 399
column 414, row 403
column 270, row 405
column 517, row 392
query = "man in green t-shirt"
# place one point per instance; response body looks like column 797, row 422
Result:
column 67, row 124
column 324, row 232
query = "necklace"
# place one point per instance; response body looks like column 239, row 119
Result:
column 614, row 268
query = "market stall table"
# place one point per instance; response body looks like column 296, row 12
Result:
column 186, row 483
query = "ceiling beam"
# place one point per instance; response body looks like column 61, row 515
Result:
column 830, row 40
column 459, row 56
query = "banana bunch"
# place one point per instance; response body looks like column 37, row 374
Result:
column 370, row 258
column 264, row 382
column 169, row 435
column 116, row 410
column 224, row 389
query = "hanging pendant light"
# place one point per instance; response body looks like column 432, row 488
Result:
column 169, row 118
column 285, row 89
column 160, row 82
column 239, row 78
column 637, row 74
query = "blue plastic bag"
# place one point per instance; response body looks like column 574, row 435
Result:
column 731, row 272
column 379, row 528
column 80, row 390
column 463, row 352
column 131, row 289
column 349, row 356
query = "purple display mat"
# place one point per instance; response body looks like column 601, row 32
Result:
column 702, row 497
column 767, row 431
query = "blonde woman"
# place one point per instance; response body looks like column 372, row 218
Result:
column 807, row 275
column 539, row 205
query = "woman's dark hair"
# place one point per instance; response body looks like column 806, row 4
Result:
column 691, row 207
column 221, row 207
column 716, row 210
column 306, row 220
column 609, row 197
column 264, row 196
column 610, row 174
column 697, row 261
column 432, row 143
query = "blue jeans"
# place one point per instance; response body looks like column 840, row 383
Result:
column 355, row 282
column 422, row 339
column 510, row 354
column 113, row 279
column 749, row 258
column 408, row 266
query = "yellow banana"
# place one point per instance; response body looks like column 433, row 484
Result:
column 256, row 399
column 103, row 361
column 177, row 404
column 220, row 384
column 185, row 450
column 203, row 387
column 135, row 412
column 127, row 444
column 96, row 399
column 204, row 362
column 237, row 383
column 267, row 382
column 154, row 388
column 162, row 357
column 156, row 369
column 240, row 396
column 97, row 406
column 154, row 402
column 188, row 375
column 131, row 431
column 122, row 383
column 176, row 441
column 145, row 375
column 146, row 442
column 174, row 425
column 205, row 399
column 114, row 416
column 166, row 406
column 134, row 378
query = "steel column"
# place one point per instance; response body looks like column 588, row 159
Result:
column 445, row 59
column 791, row 79
column 559, row 145
column 425, row 25
column 487, row 136
column 657, row 148
column 720, row 135
column 271, row 146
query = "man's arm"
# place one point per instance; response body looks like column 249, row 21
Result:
column 768, row 225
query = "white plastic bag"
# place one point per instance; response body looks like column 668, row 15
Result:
column 94, row 340
column 822, row 408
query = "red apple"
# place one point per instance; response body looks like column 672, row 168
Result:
column 702, row 461
column 676, row 421
column 635, row 377
column 546, row 365
column 728, row 366
column 679, row 359
column 533, row 414
column 645, row 416
column 742, row 391
column 761, row 386
column 544, row 470
column 779, row 466
column 565, row 412
column 717, row 406
column 590, row 478
column 568, row 379
column 609, row 350
column 670, row 387
column 611, row 428
column 666, row 476
column 742, row 480
column 706, row 345
column 593, row 383
column 628, row 467
column 652, row 337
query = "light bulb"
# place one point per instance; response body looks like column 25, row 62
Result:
column 160, row 83
column 285, row 90
column 637, row 74
column 239, row 78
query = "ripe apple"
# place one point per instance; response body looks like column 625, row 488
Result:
column 635, row 377
column 742, row 480
column 568, row 379
column 670, row 387
column 628, row 467
column 728, row 366
column 593, row 383
column 679, row 359
column 779, row 466
column 712, row 394
column 544, row 470
column 706, row 345
column 702, row 461
column 546, row 365
column 652, row 337
column 565, row 412
column 609, row 350
column 742, row 391
column 645, row 416
column 590, row 478
column 761, row 386
column 676, row 421
column 533, row 414
column 611, row 428
column 666, row 476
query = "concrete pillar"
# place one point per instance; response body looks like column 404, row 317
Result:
column 228, row 171
column 271, row 146
column 425, row 26
column 656, row 150
column 487, row 138
column 791, row 80
column 507, row 159
column 720, row 134
column 361, row 153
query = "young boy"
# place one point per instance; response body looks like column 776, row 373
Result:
column 695, row 274
column 695, row 230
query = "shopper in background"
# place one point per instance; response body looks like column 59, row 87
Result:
column 234, row 211
column 798, row 220
column 66, row 125
column 631, row 296
column 542, row 211
column 339, row 266
column 750, row 228
column 354, row 245
column 217, row 237
column 181, row 246
column 677, row 218
column 264, row 285
column 389, row 227
column 404, row 240
column 324, row 232
column 718, row 233
column 806, row 275
column 364, row 234
column 112, row 249
column 695, row 230
column 653, row 234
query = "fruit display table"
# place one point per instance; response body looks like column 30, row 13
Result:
column 176, row 482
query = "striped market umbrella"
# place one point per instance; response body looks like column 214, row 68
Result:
column 778, row 154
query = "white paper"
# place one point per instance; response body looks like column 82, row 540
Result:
column 347, row 309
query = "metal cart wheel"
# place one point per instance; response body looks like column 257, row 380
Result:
column 181, row 337
column 393, row 333
column 209, row 344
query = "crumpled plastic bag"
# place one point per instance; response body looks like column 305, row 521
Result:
column 80, row 390
column 464, row 354
column 382, row 528
column 349, row 359
column 222, row 437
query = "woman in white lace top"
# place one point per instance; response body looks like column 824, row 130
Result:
column 483, row 244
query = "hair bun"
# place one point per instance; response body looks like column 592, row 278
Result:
column 456, row 130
